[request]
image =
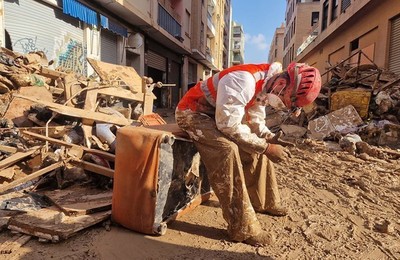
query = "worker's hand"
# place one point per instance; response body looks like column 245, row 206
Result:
column 276, row 153
column 276, row 139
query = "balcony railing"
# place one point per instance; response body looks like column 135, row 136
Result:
column 310, row 39
column 210, row 26
column 168, row 23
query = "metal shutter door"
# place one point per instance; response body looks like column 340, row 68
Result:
column 156, row 61
column 394, row 49
column 109, row 43
column 34, row 26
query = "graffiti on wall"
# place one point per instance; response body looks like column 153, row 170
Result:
column 67, row 53
column 28, row 44
column 71, row 55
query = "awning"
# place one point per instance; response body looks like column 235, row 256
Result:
column 80, row 11
column 112, row 26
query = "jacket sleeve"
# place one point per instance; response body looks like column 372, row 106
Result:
column 256, row 114
column 256, row 120
column 235, row 91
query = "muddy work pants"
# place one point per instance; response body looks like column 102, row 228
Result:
column 242, row 182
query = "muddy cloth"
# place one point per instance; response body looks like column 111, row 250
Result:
column 241, row 181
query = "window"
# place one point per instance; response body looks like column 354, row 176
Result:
column 345, row 5
column 334, row 11
column 276, row 53
column 202, row 34
column 314, row 18
column 187, row 23
column 325, row 9
column 354, row 45
column 294, row 27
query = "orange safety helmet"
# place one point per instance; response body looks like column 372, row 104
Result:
column 303, row 88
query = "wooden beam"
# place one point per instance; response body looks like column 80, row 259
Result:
column 7, row 173
column 121, row 93
column 12, row 245
column 53, row 74
column 80, row 113
column 6, row 187
column 104, row 155
column 8, row 149
column 94, row 168
column 17, row 157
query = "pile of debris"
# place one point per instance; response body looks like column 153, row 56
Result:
column 359, row 99
column 58, row 139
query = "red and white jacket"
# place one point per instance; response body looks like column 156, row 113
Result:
column 230, row 96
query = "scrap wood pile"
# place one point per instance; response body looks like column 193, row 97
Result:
column 58, row 133
column 358, row 109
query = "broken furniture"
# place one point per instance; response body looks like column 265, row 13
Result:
column 157, row 175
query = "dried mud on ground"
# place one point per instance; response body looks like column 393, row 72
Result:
column 341, row 207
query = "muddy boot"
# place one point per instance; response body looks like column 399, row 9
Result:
column 262, row 238
column 277, row 211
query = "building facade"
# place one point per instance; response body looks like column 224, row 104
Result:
column 301, row 17
column 276, row 46
column 172, row 41
column 348, row 26
column 237, row 44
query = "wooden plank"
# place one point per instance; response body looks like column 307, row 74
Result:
column 8, row 149
column 7, row 173
column 47, row 223
column 31, row 176
column 109, row 72
column 95, row 168
column 121, row 93
column 53, row 74
column 5, row 216
column 12, row 245
column 148, row 104
column 104, row 155
column 17, row 157
column 80, row 200
column 80, row 113
column 53, row 131
column 90, row 105
column 56, row 91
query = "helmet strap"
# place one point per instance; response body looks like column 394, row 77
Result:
column 296, row 83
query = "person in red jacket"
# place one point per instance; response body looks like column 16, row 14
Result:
column 225, row 117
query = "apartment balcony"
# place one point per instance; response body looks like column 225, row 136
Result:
column 310, row 39
column 212, row 3
column 237, row 48
column 237, row 60
column 209, row 60
column 210, row 27
column 167, row 22
column 158, row 24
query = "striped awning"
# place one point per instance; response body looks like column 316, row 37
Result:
column 112, row 26
column 80, row 11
